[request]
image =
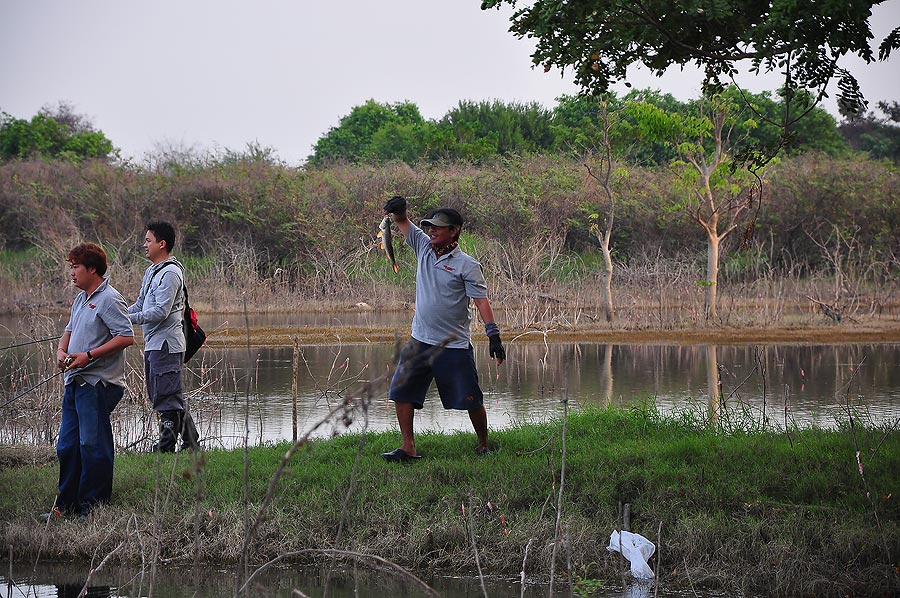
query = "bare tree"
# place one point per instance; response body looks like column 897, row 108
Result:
column 604, row 231
column 721, row 193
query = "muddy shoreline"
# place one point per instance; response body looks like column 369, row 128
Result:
column 880, row 331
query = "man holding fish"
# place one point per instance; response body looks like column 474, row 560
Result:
column 440, row 348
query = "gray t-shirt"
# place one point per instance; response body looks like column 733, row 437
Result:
column 443, row 288
column 159, row 308
column 94, row 321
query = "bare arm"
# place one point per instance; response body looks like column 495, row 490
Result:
column 402, row 223
column 113, row 345
column 62, row 350
column 484, row 309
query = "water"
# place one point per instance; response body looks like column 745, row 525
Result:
column 66, row 581
column 797, row 384
column 803, row 384
column 806, row 384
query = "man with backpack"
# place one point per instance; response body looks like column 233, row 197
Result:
column 159, row 309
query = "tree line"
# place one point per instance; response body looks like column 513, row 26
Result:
column 476, row 131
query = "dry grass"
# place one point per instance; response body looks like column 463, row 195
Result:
column 26, row 455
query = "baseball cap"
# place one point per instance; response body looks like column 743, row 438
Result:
column 443, row 217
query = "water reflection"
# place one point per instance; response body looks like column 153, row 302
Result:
column 803, row 384
column 66, row 581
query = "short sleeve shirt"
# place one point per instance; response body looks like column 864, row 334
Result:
column 444, row 286
column 95, row 319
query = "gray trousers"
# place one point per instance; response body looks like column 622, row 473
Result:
column 162, row 370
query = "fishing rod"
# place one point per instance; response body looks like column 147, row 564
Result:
column 67, row 362
column 38, row 385
column 40, row 340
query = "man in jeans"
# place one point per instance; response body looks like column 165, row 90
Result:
column 91, row 353
column 159, row 309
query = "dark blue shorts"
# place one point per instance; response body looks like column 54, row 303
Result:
column 453, row 370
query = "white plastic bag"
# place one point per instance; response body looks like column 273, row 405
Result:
column 637, row 549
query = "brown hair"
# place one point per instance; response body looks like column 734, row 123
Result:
column 89, row 255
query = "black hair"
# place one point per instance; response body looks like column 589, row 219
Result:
column 163, row 231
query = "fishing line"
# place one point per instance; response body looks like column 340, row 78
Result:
column 38, row 385
column 40, row 340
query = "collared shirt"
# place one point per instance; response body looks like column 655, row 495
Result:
column 95, row 320
column 444, row 286
column 159, row 308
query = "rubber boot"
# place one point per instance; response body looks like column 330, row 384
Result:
column 190, row 438
column 169, row 425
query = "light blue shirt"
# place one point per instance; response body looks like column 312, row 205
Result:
column 444, row 286
column 95, row 320
column 159, row 308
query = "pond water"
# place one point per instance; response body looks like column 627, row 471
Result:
column 801, row 384
column 51, row 580
column 233, row 387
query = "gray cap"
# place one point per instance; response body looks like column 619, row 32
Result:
column 443, row 217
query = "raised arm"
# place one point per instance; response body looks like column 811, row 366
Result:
column 396, row 207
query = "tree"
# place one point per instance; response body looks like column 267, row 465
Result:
column 352, row 140
column 578, row 125
column 715, row 193
column 581, row 127
column 512, row 128
column 601, row 39
column 60, row 134
column 878, row 136
column 603, row 229
column 817, row 131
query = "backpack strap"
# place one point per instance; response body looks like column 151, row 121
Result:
column 180, row 267
column 163, row 267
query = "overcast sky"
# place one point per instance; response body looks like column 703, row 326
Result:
column 214, row 74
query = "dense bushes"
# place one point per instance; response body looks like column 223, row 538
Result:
column 306, row 218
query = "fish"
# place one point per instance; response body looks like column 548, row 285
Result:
column 387, row 241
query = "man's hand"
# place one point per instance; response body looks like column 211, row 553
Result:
column 62, row 359
column 76, row 360
column 496, row 348
column 395, row 205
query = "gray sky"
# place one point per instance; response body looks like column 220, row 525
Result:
column 214, row 74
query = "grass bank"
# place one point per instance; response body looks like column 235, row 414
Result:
column 742, row 510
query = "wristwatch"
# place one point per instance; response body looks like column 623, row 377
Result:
column 89, row 356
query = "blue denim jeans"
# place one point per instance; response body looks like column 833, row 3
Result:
column 85, row 446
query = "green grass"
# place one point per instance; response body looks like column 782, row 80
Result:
column 741, row 511
column 19, row 264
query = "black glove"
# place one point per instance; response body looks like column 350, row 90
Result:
column 395, row 205
column 497, row 351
